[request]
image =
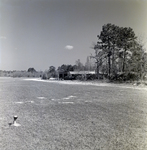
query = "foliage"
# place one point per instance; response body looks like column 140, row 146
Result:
column 32, row 70
column 20, row 74
column 79, row 65
column 89, row 65
column 65, row 68
column 52, row 73
column 118, row 51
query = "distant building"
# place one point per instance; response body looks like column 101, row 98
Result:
column 72, row 75
column 62, row 74
column 81, row 72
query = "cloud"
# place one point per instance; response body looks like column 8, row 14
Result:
column 69, row 47
column 2, row 37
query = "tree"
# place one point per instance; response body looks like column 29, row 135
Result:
column 65, row 68
column 126, row 42
column 98, row 57
column 108, row 43
column 32, row 70
column 143, row 62
column 52, row 72
column 138, row 60
column 122, row 52
column 88, row 64
column 79, row 65
column 70, row 68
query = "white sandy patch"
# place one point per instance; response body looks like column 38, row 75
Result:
column 88, row 101
column 69, row 97
column 19, row 102
column 66, row 98
column 24, row 102
column 29, row 101
column 55, row 99
column 1, row 118
column 33, row 79
column 72, row 96
column 93, row 83
column 16, row 124
column 41, row 97
column 66, row 102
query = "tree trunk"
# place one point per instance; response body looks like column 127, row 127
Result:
column 109, row 64
column 124, row 61
column 97, row 70
column 113, row 63
column 109, row 61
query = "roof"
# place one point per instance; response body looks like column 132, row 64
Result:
column 82, row 72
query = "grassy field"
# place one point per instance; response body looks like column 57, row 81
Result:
column 72, row 117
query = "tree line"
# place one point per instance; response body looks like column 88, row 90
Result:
column 118, row 55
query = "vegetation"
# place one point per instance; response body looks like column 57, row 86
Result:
column 119, row 54
column 24, row 73
column 32, row 70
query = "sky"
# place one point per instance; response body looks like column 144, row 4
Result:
column 43, row 33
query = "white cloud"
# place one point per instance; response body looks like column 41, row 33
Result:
column 2, row 37
column 69, row 47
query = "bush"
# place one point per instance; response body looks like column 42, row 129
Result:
column 69, row 78
column 44, row 76
column 125, row 77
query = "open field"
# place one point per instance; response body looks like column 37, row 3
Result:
column 66, row 116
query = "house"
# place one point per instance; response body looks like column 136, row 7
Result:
column 72, row 75
column 82, row 74
column 62, row 74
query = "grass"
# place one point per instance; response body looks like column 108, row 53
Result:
column 100, row 117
